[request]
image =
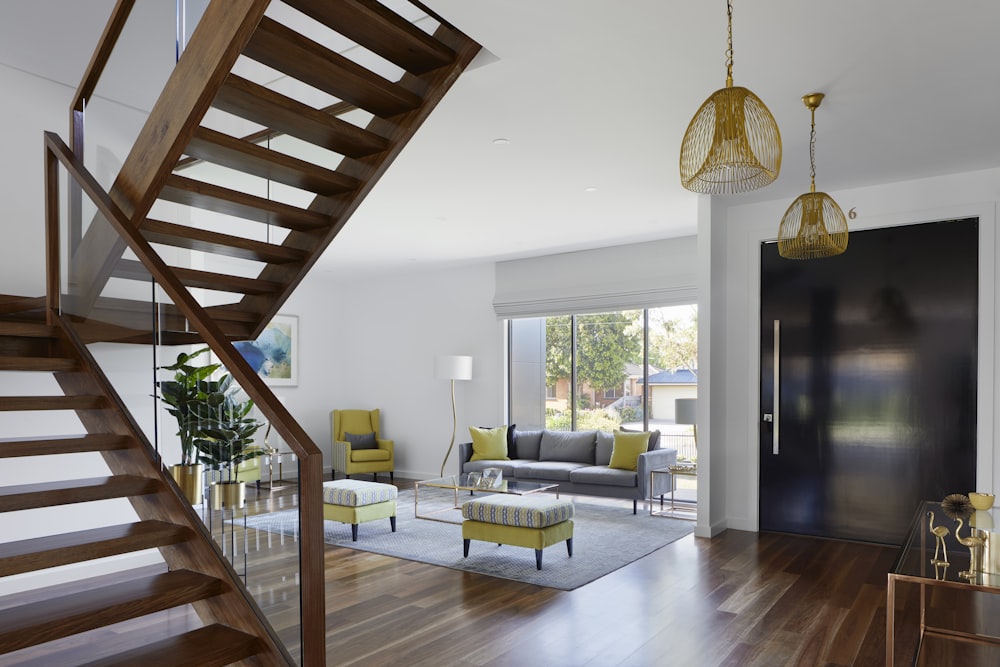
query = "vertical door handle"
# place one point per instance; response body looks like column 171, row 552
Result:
column 775, row 440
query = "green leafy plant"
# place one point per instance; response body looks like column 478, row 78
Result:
column 226, row 438
column 214, row 427
column 187, row 396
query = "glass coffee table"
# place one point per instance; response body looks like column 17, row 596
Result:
column 457, row 483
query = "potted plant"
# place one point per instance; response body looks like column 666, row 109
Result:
column 187, row 396
column 226, row 439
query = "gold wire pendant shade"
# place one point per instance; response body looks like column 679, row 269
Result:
column 732, row 144
column 814, row 226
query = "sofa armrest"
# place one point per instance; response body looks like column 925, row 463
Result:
column 464, row 455
column 658, row 458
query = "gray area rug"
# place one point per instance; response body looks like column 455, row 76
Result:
column 606, row 537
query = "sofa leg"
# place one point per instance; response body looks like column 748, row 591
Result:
column 538, row 559
column 569, row 546
column 465, row 548
column 635, row 507
column 354, row 532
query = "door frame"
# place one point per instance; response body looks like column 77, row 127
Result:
column 987, row 373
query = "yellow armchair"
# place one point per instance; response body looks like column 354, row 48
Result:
column 351, row 460
column 249, row 471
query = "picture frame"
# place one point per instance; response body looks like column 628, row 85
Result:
column 274, row 353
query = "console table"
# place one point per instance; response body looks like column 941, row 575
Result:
column 915, row 565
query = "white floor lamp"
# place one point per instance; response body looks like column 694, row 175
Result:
column 452, row 368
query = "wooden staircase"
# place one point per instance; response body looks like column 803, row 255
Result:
column 194, row 572
column 231, row 192
column 269, row 201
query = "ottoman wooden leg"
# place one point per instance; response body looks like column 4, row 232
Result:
column 465, row 548
column 392, row 522
column 538, row 559
column 354, row 532
column 569, row 547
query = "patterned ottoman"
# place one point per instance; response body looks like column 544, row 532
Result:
column 354, row 501
column 535, row 521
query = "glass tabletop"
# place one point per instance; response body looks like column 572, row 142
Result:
column 463, row 482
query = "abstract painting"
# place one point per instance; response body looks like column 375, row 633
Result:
column 274, row 355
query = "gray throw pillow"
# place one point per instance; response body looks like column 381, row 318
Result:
column 361, row 441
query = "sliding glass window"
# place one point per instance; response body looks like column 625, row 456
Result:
column 591, row 371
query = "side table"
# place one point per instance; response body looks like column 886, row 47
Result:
column 684, row 510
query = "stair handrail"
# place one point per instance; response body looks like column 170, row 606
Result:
column 312, row 571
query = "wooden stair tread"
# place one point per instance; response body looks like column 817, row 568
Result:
column 209, row 646
column 260, row 105
column 53, row 618
column 55, row 550
column 64, row 492
column 250, row 158
column 96, row 442
column 136, row 315
column 50, row 364
column 380, row 30
column 132, row 269
column 187, row 191
column 15, row 403
column 179, row 236
column 287, row 51
column 26, row 329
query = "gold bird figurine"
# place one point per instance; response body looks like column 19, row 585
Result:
column 939, row 533
column 975, row 544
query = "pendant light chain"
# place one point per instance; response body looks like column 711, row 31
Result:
column 729, row 50
column 812, row 152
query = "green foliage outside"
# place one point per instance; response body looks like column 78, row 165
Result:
column 586, row 420
column 605, row 342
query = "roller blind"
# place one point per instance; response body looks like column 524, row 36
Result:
column 640, row 275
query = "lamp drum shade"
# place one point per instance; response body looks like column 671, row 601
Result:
column 453, row 367
column 685, row 410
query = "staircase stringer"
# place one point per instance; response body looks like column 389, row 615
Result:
column 216, row 43
column 398, row 130
column 235, row 607
column 312, row 565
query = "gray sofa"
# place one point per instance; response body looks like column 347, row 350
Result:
column 578, row 462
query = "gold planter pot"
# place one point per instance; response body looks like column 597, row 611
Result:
column 189, row 478
column 231, row 495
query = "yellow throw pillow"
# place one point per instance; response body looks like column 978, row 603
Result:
column 489, row 444
column 626, row 449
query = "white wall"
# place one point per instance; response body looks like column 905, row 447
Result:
column 371, row 343
column 734, row 411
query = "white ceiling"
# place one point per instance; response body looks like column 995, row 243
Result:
column 598, row 93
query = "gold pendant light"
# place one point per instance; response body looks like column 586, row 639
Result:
column 732, row 144
column 813, row 226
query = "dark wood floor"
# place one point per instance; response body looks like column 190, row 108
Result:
column 738, row 599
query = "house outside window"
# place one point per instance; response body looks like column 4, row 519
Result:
column 591, row 371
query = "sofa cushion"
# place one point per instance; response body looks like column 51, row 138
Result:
column 527, row 443
column 574, row 446
column 604, row 476
column 361, row 440
column 654, row 438
column 626, row 450
column 554, row 470
column 602, row 453
column 489, row 444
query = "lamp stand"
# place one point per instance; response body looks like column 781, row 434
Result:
column 454, row 427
